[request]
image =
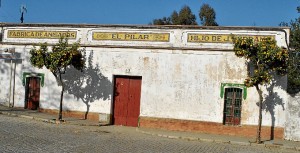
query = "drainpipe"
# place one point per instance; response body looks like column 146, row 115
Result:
column 12, row 52
column 14, row 84
column 9, row 53
column 10, row 80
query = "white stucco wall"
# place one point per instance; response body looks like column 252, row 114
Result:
column 292, row 128
column 180, row 79
column 186, row 86
column 5, row 69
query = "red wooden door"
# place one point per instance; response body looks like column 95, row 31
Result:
column 134, row 102
column 121, row 101
column 127, row 100
column 33, row 93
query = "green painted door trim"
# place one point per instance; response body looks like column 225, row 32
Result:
column 29, row 74
column 223, row 85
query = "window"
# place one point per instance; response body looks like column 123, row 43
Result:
column 232, row 106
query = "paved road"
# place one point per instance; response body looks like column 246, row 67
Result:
column 25, row 135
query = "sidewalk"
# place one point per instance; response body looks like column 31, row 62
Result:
column 190, row 136
column 44, row 117
column 193, row 136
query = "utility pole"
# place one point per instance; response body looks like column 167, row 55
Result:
column 9, row 53
column 23, row 10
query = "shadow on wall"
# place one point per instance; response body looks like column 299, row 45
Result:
column 272, row 100
column 7, row 67
column 9, row 75
column 4, row 68
column 89, row 85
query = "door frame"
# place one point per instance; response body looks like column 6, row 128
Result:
column 25, row 77
column 235, row 90
column 28, row 88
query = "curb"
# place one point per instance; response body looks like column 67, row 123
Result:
column 51, row 121
column 9, row 114
column 189, row 138
column 240, row 143
column 206, row 140
column 25, row 116
column 272, row 146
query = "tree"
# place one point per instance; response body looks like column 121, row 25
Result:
column 57, row 60
column 265, row 58
column 184, row 17
column 163, row 21
column 294, row 60
column 207, row 15
column 174, row 18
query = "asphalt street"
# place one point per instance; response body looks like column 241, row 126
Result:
column 25, row 135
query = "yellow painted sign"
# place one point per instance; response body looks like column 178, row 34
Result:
column 218, row 38
column 125, row 36
column 41, row 34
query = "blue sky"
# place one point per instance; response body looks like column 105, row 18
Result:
column 229, row 12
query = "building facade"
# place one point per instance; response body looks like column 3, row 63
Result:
column 184, row 78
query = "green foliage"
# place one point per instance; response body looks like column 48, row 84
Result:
column 184, row 17
column 265, row 57
column 294, row 62
column 56, row 60
column 163, row 21
column 294, row 54
column 174, row 18
column 295, row 34
column 207, row 16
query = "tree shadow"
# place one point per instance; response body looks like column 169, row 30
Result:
column 6, row 66
column 89, row 85
column 272, row 100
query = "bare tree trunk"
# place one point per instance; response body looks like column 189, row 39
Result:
column 87, row 110
column 61, row 97
column 258, row 136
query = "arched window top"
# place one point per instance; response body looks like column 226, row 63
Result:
column 233, row 85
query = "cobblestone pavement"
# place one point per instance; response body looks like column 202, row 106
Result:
column 25, row 135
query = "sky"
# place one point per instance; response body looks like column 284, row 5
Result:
column 228, row 12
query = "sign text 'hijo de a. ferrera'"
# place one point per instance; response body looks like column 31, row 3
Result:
column 222, row 38
column 40, row 34
column 131, row 36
